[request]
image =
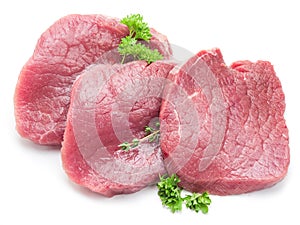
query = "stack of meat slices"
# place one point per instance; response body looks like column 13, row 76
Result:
column 222, row 129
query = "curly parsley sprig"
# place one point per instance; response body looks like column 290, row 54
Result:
column 198, row 202
column 137, row 27
column 170, row 195
column 138, row 30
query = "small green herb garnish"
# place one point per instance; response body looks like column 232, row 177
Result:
column 137, row 27
column 170, row 195
column 151, row 136
column 198, row 202
column 138, row 30
column 127, row 146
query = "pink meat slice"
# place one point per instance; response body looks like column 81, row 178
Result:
column 112, row 104
column 223, row 128
column 42, row 94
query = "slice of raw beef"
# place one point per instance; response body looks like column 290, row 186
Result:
column 223, row 129
column 63, row 51
column 112, row 104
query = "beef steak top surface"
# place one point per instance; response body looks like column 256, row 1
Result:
column 223, row 128
column 42, row 94
column 111, row 105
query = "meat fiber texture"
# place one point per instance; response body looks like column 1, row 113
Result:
column 112, row 104
column 223, row 128
column 42, row 94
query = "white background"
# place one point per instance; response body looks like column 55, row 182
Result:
column 34, row 188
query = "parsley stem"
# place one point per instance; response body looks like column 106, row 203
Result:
column 148, row 137
column 135, row 142
column 123, row 59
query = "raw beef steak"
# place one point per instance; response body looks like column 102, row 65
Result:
column 223, row 129
column 111, row 105
column 72, row 43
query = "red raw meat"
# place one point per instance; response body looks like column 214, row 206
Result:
column 111, row 105
column 223, row 129
column 42, row 95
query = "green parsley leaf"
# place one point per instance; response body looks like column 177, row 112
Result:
column 129, row 46
column 148, row 130
column 125, row 44
column 170, row 193
column 125, row 146
column 137, row 27
column 198, row 202
column 135, row 142
column 170, row 196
